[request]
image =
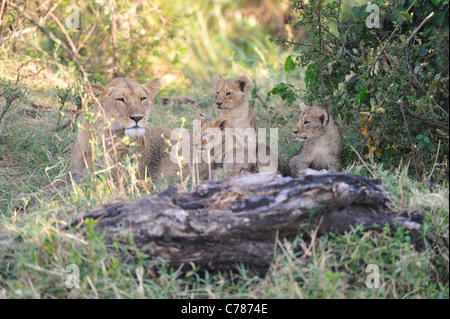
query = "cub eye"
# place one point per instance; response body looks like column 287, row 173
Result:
column 228, row 93
column 121, row 99
column 217, row 93
column 305, row 122
column 143, row 98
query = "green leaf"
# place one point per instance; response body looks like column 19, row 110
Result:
column 419, row 137
column 285, row 91
column 362, row 94
column 406, row 15
column 436, row 2
column 289, row 64
column 426, row 139
column 430, row 147
column 421, row 144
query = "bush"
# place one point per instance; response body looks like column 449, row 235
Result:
column 11, row 94
column 388, row 82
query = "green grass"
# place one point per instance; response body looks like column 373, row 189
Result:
column 36, row 248
column 330, row 266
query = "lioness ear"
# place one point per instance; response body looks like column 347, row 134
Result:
column 152, row 88
column 303, row 106
column 222, row 122
column 97, row 90
column 243, row 82
column 217, row 79
column 323, row 116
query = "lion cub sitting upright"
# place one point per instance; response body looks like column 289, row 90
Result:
column 322, row 148
column 233, row 105
column 231, row 99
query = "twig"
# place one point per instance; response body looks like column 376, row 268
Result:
column 387, row 41
column 54, row 39
column 113, row 39
column 340, row 43
column 163, row 20
column 70, row 121
column 81, row 45
column 434, row 165
column 423, row 89
column 418, row 28
column 363, row 162
column 18, row 70
column 429, row 122
column 66, row 35
column 409, row 137
column 2, row 10
column 44, row 6
column 101, row 109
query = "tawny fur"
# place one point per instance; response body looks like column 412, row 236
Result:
column 209, row 141
column 231, row 99
column 120, row 100
column 322, row 148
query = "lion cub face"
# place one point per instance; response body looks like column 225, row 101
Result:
column 128, row 102
column 311, row 123
column 211, row 131
column 230, row 93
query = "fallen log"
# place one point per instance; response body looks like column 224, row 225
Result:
column 238, row 219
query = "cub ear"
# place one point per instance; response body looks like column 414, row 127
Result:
column 97, row 90
column 200, row 117
column 217, row 79
column 303, row 106
column 152, row 88
column 222, row 122
column 243, row 82
column 323, row 116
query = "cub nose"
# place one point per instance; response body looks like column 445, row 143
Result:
column 219, row 104
column 136, row 118
column 295, row 131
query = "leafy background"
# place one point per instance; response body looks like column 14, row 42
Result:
column 389, row 97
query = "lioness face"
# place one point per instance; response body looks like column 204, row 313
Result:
column 211, row 131
column 230, row 93
column 311, row 123
column 128, row 103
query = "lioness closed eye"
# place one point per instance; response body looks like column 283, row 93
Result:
column 322, row 146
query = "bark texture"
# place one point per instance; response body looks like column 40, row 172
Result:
column 238, row 219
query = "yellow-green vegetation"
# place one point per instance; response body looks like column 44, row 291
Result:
column 185, row 43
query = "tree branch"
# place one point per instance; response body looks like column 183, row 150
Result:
column 418, row 28
column 53, row 38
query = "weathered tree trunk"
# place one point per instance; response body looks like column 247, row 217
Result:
column 238, row 219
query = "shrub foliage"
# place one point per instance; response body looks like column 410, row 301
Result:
column 383, row 69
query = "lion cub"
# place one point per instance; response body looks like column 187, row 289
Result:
column 232, row 100
column 322, row 148
column 230, row 150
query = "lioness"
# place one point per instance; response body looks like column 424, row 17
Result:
column 322, row 146
column 224, row 151
column 125, row 104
